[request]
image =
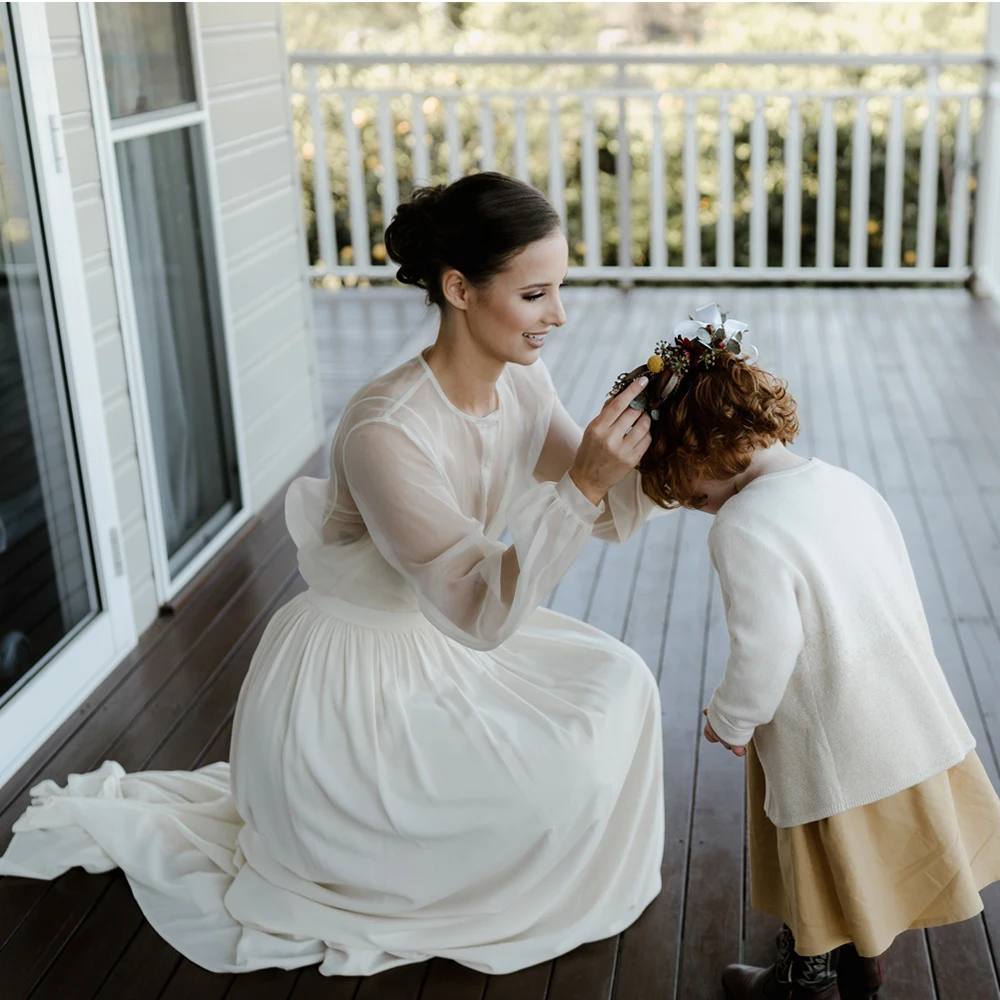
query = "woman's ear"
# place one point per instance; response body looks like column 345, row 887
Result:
column 455, row 289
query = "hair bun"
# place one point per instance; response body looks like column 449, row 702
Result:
column 475, row 225
column 410, row 239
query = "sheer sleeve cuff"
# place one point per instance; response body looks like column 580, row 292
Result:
column 571, row 496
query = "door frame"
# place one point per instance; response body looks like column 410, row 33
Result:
column 90, row 652
column 195, row 114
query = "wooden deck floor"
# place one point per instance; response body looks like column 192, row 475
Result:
column 899, row 386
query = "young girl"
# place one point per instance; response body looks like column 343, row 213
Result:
column 869, row 811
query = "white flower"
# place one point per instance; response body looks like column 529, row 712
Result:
column 709, row 319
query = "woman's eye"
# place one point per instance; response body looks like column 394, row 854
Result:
column 534, row 297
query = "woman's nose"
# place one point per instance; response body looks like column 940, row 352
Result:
column 559, row 315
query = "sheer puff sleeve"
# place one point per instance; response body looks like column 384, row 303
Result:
column 475, row 590
column 627, row 507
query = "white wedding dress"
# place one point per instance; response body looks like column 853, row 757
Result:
column 424, row 762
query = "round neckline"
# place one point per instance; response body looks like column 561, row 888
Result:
column 488, row 418
column 809, row 463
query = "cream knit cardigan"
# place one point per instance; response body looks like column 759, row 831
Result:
column 831, row 669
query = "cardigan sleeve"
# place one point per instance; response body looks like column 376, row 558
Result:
column 760, row 596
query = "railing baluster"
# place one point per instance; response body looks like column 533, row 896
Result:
column 421, row 155
column 692, row 197
column 827, row 187
column 958, row 252
column 929, row 165
column 893, row 212
column 557, row 194
column 356, row 184
column 375, row 121
column 325, row 231
column 387, row 154
column 623, row 170
column 588, row 170
column 758, row 167
column 486, row 131
column 657, row 194
column 724, row 224
column 861, row 150
column 520, row 141
column 453, row 136
column 791, row 256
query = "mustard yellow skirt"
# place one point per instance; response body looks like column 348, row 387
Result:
column 915, row 859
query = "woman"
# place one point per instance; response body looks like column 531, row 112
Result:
column 424, row 763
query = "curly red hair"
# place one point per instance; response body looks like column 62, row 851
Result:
column 711, row 425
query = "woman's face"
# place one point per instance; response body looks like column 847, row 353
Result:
column 510, row 317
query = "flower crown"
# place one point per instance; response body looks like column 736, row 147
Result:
column 698, row 342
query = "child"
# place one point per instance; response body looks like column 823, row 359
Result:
column 869, row 810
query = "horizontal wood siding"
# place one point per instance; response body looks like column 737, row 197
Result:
column 263, row 239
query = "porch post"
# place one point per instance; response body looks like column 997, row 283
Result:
column 986, row 259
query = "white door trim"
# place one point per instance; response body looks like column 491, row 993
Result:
column 88, row 655
column 107, row 134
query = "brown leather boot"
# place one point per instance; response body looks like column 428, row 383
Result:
column 744, row 982
column 859, row 978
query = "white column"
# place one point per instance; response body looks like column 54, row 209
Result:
column 987, row 242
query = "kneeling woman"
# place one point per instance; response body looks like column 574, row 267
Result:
column 424, row 762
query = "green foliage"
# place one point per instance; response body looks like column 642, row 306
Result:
column 586, row 26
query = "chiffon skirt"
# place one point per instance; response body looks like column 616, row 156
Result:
column 393, row 796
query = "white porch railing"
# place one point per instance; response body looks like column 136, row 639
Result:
column 654, row 180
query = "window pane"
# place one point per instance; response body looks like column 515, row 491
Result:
column 147, row 56
column 183, row 357
column 47, row 582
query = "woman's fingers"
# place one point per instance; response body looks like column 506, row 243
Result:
column 628, row 419
column 640, row 448
column 632, row 421
column 617, row 405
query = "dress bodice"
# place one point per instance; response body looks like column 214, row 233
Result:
column 419, row 494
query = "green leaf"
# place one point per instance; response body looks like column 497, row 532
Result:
column 734, row 346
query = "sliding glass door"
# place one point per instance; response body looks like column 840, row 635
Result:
column 48, row 589
column 157, row 130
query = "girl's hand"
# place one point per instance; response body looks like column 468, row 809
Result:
column 712, row 737
column 612, row 445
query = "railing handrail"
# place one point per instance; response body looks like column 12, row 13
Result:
column 647, row 93
column 310, row 57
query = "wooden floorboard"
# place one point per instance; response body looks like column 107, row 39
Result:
column 898, row 386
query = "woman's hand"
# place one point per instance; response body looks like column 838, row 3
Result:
column 612, row 444
column 713, row 737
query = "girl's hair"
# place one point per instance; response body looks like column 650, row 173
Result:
column 475, row 225
column 710, row 427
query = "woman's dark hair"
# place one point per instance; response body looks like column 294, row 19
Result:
column 475, row 225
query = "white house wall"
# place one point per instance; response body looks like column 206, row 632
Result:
column 246, row 79
column 246, row 88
